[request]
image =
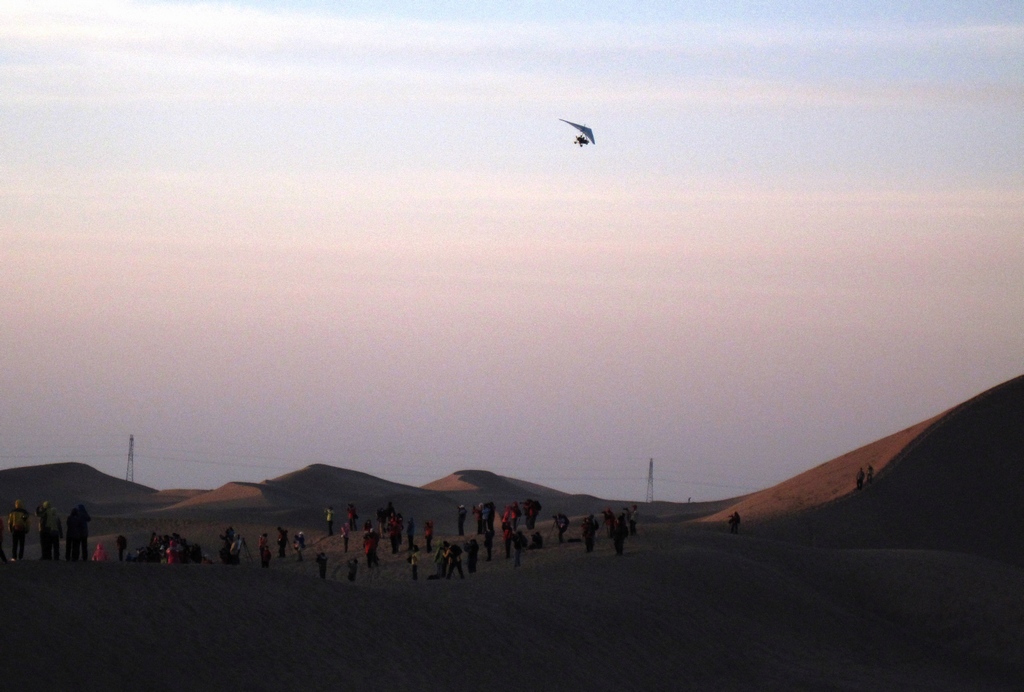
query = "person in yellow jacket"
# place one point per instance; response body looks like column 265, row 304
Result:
column 329, row 516
column 18, row 522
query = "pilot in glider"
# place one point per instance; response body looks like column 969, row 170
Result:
column 586, row 135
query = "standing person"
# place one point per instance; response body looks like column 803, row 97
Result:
column 589, row 529
column 439, row 557
column 518, row 543
column 236, row 550
column 370, row 540
column 860, row 478
column 478, row 514
column 489, row 511
column 472, row 550
column 121, row 543
column 410, row 531
column 329, row 516
column 428, row 534
column 282, row 541
column 488, row 542
column 321, row 561
column 56, row 534
column 462, row 520
column 620, row 534
column 633, row 517
column 264, row 550
column 414, row 560
column 609, row 521
column 18, row 522
column 734, row 522
column 49, row 523
column 299, row 544
column 76, row 527
column 871, row 474
column 395, row 526
column 46, row 552
column 85, row 530
column 506, row 535
column 344, row 535
column 352, row 517
column 532, row 508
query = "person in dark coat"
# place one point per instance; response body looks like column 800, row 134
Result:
column 734, row 522
column 488, row 542
column 562, row 524
column 472, row 550
column 282, row 541
column 620, row 533
column 85, row 532
column 76, row 526
column 589, row 529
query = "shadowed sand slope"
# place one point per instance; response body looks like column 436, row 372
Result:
column 953, row 483
column 322, row 484
column 68, row 484
column 703, row 611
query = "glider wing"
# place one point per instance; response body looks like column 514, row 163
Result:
column 584, row 129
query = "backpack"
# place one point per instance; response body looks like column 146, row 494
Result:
column 536, row 506
column 18, row 522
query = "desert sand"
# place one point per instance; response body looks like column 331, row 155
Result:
column 914, row 582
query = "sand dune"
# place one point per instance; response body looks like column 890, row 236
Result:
column 682, row 610
column 822, row 484
column 486, row 483
column 930, row 598
column 68, row 484
column 951, row 483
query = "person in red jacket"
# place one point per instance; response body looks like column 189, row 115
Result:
column 428, row 534
column 507, row 533
column 370, row 540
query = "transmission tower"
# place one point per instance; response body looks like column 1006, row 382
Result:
column 650, row 482
column 130, row 476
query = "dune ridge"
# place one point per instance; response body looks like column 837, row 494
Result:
column 955, row 485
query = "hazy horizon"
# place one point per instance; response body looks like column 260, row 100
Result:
column 261, row 235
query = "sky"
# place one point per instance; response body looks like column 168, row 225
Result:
column 259, row 235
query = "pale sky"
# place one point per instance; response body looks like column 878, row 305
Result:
column 260, row 235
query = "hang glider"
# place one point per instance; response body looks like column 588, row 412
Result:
column 587, row 136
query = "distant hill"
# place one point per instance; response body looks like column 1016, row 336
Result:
column 954, row 482
column 68, row 484
column 470, row 487
column 486, row 483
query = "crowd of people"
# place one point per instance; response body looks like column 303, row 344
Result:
column 517, row 520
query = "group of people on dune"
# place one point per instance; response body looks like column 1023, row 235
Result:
column 448, row 556
column 73, row 530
